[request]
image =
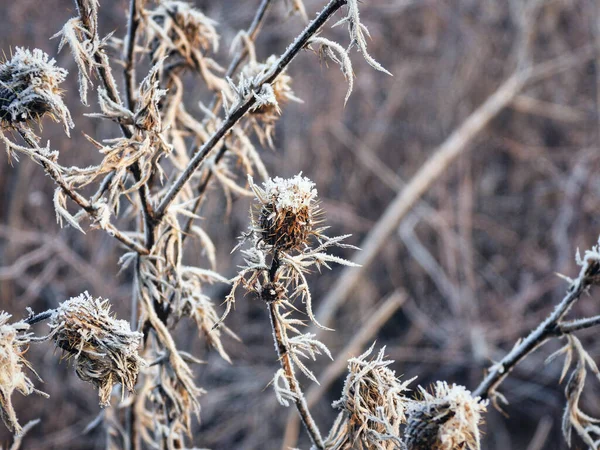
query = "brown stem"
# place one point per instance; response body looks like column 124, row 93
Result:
column 288, row 368
column 128, row 53
column 548, row 328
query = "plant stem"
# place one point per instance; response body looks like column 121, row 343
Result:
column 128, row 53
column 548, row 328
column 105, row 74
column 286, row 364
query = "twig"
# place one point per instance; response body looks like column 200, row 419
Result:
column 35, row 318
column 548, row 328
column 577, row 325
column 235, row 115
column 286, row 364
column 128, row 52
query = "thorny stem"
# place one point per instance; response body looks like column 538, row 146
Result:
column 549, row 328
column 286, row 364
column 235, row 115
column 576, row 325
column 79, row 199
column 35, row 318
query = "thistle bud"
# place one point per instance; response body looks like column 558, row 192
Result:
column 448, row 419
column 104, row 348
column 287, row 212
column 29, row 89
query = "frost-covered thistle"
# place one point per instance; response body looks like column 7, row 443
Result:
column 176, row 26
column 287, row 212
column 447, row 419
column 29, row 89
column 285, row 233
column 104, row 349
column 373, row 406
column 12, row 343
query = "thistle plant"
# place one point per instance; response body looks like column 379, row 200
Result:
column 373, row 406
column 147, row 188
column 104, row 349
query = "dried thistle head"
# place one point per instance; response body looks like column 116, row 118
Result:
column 176, row 26
column 148, row 114
column 29, row 89
column 372, row 403
column 287, row 211
column 12, row 377
column 446, row 419
column 104, row 349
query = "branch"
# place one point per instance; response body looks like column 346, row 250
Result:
column 245, row 105
column 547, row 329
column 128, row 54
column 576, row 325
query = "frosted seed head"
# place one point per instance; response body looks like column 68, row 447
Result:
column 446, row 419
column 104, row 348
column 287, row 211
column 29, row 89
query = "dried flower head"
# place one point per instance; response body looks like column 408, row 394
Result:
column 176, row 26
column 12, row 341
column 373, row 405
column 103, row 347
column 287, row 212
column 447, row 419
column 29, row 89
column 269, row 97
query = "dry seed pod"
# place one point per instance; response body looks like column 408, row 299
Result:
column 104, row 348
column 373, row 403
column 29, row 89
column 447, row 419
column 287, row 211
